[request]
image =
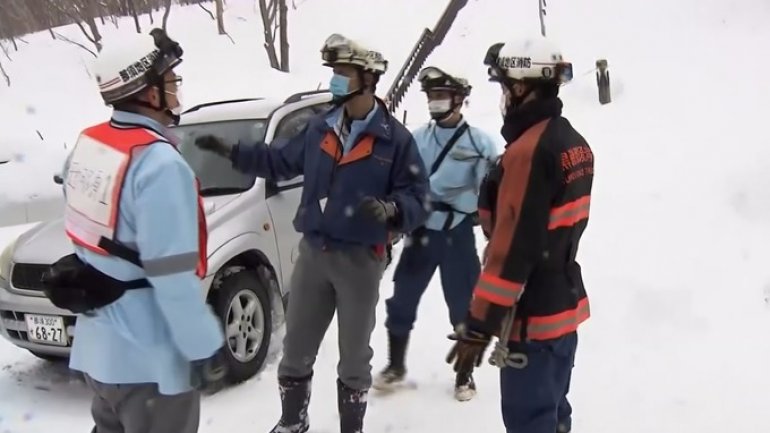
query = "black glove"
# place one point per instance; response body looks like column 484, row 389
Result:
column 378, row 210
column 206, row 375
column 214, row 144
column 468, row 351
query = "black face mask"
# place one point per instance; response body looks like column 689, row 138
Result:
column 520, row 118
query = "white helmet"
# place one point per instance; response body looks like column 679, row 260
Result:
column 527, row 60
column 433, row 78
column 133, row 63
column 339, row 50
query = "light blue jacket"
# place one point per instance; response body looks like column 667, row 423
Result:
column 458, row 178
column 151, row 335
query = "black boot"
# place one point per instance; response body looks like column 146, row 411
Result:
column 465, row 386
column 396, row 370
column 295, row 397
column 352, row 408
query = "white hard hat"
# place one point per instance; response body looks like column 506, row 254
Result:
column 433, row 78
column 339, row 50
column 527, row 59
column 132, row 63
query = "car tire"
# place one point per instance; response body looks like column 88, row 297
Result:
column 242, row 287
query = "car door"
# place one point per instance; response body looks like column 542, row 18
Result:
column 283, row 197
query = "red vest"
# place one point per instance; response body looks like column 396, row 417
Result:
column 95, row 177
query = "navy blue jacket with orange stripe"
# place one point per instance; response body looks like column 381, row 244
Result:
column 384, row 162
column 533, row 208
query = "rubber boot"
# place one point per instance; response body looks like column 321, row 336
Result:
column 295, row 398
column 465, row 386
column 395, row 372
column 352, row 408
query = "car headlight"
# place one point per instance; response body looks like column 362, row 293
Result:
column 5, row 261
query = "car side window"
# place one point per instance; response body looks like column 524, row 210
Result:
column 293, row 123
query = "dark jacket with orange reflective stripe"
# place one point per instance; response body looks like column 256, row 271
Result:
column 384, row 163
column 534, row 209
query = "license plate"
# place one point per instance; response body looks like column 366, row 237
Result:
column 46, row 329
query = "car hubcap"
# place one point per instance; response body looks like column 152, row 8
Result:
column 245, row 325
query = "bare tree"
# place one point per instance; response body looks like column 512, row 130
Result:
column 269, row 24
column 206, row 10
column 131, row 6
column 283, row 20
column 220, row 17
column 5, row 75
column 83, row 11
column 166, row 14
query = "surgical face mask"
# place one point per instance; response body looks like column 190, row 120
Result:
column 177, row 111
column 440, row 106
column 339, row 85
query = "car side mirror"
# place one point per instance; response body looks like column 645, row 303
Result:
column 57, row 179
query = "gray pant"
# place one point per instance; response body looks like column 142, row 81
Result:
column 140, row 408
column 348, row 281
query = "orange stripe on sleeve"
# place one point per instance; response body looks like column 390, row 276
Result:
column 570, row 214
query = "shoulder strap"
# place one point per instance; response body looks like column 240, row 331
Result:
column 445, row 151
column 120, row 250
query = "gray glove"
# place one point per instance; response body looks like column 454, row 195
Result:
column 214, row 144
column 378, row 210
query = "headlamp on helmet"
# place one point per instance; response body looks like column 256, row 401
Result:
column 339, row 50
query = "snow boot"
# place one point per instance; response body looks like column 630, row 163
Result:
column 352, row 408
column 465, row 386
column 295, row 398
column 395, row 372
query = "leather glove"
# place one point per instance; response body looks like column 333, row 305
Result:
column 378, row 210
column 468, row 350
column 206, row 375
column 214, row 144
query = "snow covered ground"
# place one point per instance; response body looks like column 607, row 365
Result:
column 675, row 256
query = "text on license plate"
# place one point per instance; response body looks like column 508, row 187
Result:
column 46, row 329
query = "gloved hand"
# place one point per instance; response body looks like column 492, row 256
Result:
column 378, row 210
column 206, row 375
column 214, row 144
column 468, row 351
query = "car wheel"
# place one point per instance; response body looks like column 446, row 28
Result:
column 243, row 305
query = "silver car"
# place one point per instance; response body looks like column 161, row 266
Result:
column 252, row 242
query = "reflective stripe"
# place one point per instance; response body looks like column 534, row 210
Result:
column 170, row 264
column 554, row 326
column 570, row 213
column 497, row 290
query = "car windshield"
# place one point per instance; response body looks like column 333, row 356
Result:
column 216, row 173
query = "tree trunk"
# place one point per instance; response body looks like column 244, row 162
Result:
column 95, row 32
column 269, row 44
column 220, row 17
column 284, row 28
column 132, row 9
column 5, row 75
column 166, row 14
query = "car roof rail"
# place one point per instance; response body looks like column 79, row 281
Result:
column 299, row 96
column 229, row 101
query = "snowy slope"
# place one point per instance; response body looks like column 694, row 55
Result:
column 674, row 257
